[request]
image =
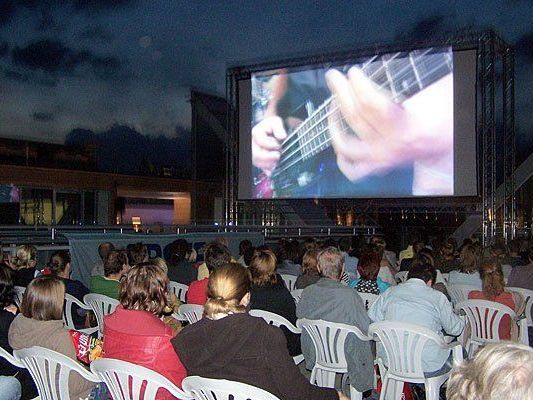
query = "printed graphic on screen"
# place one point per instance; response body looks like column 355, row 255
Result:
column 380, row 128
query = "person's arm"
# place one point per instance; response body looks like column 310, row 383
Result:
column 286, row 376
column 451, row 323
column 375, row 312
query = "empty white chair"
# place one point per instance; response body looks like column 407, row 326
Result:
column 102, row 306
column 179, row 289
column 222, row 389
column 401, row 276
column 528, row 298
column 190, row 312
column 68, row 311
column 328, row 340
column 484, row 318
column 19, row 293
column 278, row 320
column 50, row 371
column 296, row 294
column 125, row 380
column 459, row 293
column 403, row 345
column 289, row 280
column 368, row 298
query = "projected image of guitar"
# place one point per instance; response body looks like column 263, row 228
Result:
column 306, row 156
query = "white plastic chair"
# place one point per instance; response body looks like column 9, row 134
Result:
column 222, row 389
column 179, row 289
column 401, row 276
column 484, row 319
column 368, row 298
column 528, row 298
column 296, row 294
column 19, row 294
column 403, row 344
column 68, row 310
column 278, row 320
column 328, row 340
column 102, row 306
column 190, row 312
column 50, row 371
column 289, row 280
column 125, row 380
column 459, row 293
column 10, row 359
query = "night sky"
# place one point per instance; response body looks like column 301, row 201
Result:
column 94, row 64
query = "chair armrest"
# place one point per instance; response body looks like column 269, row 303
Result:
column 457, row 351
column 81, row 305
column 179, row 317
column 523, row 336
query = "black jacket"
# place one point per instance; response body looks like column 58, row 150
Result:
column 182, row 272
column 245, row 349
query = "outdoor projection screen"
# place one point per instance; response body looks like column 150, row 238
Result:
column 401, row 124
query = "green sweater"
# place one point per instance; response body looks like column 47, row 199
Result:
column 105, row 286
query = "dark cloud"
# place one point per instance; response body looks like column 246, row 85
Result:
column 96, row 34
column 4, row 48
column 524, row 45
column 31, row 78
column 7, row 10
column 42, row 116
column 425, row 28
column 100, row 5
column 53, row 58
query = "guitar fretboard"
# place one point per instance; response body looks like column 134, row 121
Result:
column 401, row 74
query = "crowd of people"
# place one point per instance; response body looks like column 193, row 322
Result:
column 228, row 343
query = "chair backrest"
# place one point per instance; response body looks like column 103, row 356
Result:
column 222, row 389
column 19, row 293
column 50, row 371
column 459, row 293
column 289, row 280
column 296, row 294
column 401, row 276
column 191, row 312
column 403, row 344
column 179, row 289
column 101, row 305
column 274, row 319
column 368, row 298
column 484, row 319
column 328, row 340
column 127, row 381
column 9, row 358
column 528, row 298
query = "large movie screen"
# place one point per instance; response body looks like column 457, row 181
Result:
column 381, row 127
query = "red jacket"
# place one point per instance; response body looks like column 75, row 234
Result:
column 141, row 338
column 197, row 293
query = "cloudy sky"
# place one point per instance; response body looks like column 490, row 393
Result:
column 68, row 64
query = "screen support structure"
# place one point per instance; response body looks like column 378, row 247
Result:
column 498, row 217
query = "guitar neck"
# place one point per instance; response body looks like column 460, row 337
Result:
column 401, row 74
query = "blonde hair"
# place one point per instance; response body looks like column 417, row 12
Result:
column 492, row 281
column 227, row 286
column 498, row 371
column 263, row 267
column 161, row 263
column 24, row 256
column 469, row 259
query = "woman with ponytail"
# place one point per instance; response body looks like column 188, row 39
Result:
column 228, row 343
column 493, row 289
column 24, row 263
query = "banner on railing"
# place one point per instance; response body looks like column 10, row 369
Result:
column 84, row 246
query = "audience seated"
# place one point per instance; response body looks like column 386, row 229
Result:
column 522, row 276
column 469, row 268
column 406, row 262
column 244, row 245
column 137, row 253
column 288, row 258
column 310, row 273
column 498, row 371
column 416, row 302
column 115, row 266
column 269, row 293
column 41, row 324
column 180, row 268
column 135, row 331
column 493, row 289
column 389, row 256
column 203, row 270
column 446, row 260
column 60, row 267
column 330, row 300
column 24, row 263
column 103, row 251
column 230, row 344
column 350, row 261
column 8, row 311
column 514, row 259
column 215, row 255
column 368, row 268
